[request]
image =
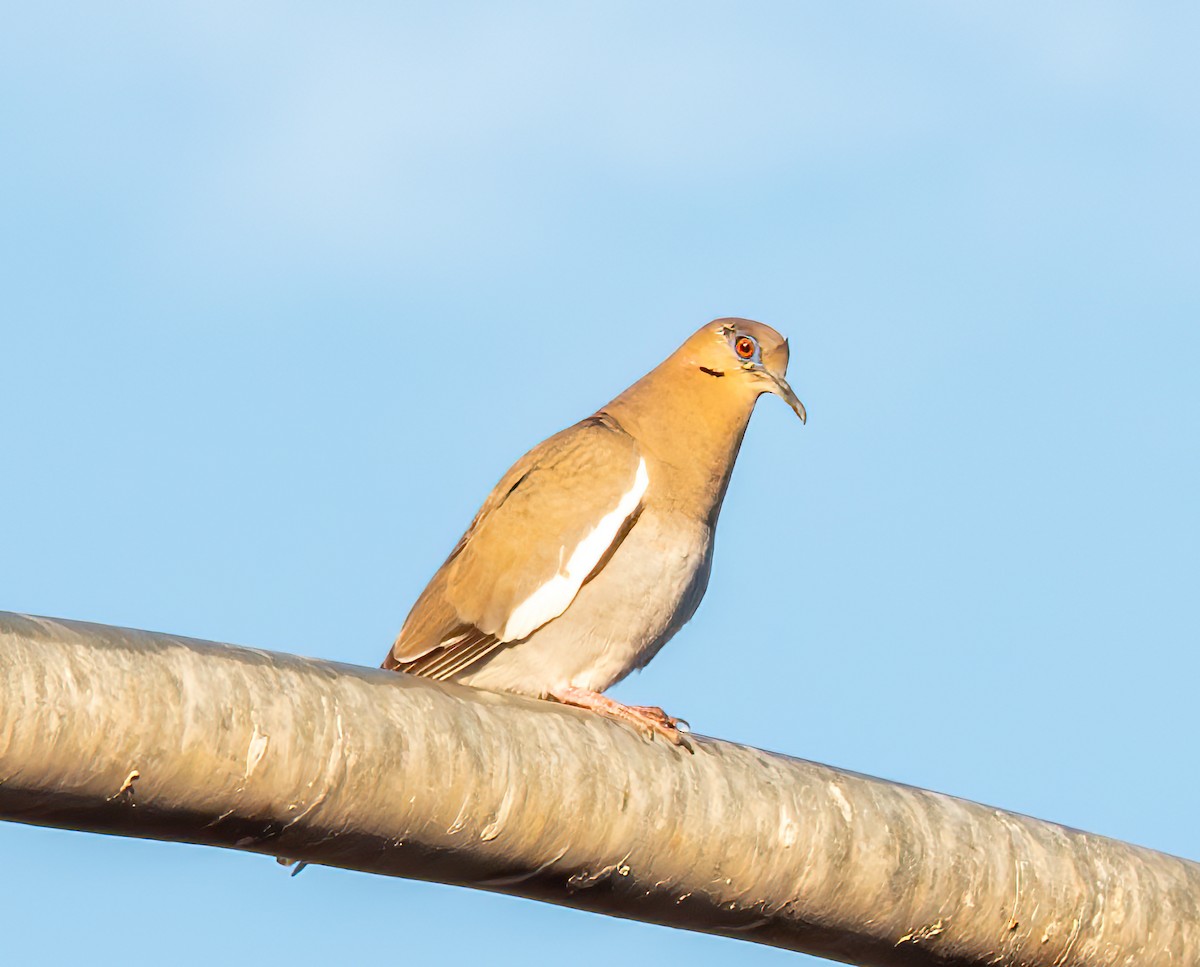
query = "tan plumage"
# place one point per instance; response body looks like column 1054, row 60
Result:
column 595, row 547
column 563, row 486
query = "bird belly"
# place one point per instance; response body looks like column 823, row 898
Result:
column 618, row 621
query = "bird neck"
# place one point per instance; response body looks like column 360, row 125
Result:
column 689, row 427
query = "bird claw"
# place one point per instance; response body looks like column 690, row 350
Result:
column 658, row 715
column 658, row 722
column 650, row 719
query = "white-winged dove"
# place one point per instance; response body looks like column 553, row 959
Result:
column 596, row 547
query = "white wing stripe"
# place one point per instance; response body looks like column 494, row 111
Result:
column 553, row 597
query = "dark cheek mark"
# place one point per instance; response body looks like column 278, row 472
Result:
column 711, row 372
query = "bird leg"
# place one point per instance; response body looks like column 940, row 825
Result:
column 648, row 718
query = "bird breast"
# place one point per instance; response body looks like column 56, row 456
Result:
column 619, row 619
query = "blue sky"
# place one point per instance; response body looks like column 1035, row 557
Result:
column 285, row 288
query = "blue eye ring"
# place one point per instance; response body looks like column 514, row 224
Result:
column 745, row 347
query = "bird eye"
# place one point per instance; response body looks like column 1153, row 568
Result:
column 745, row 347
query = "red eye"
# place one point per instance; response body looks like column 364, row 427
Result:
column 745, row 347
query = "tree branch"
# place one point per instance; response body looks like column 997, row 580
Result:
column 162, row 737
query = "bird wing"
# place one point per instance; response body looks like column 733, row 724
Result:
column 550, row 524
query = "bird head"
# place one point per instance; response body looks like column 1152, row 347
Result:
column 752, row 357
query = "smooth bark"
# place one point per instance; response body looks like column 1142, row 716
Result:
column 162, row 737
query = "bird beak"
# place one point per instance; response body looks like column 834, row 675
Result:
column 779, row 386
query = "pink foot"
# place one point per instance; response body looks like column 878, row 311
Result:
column 656, row 713
column 648, row 718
